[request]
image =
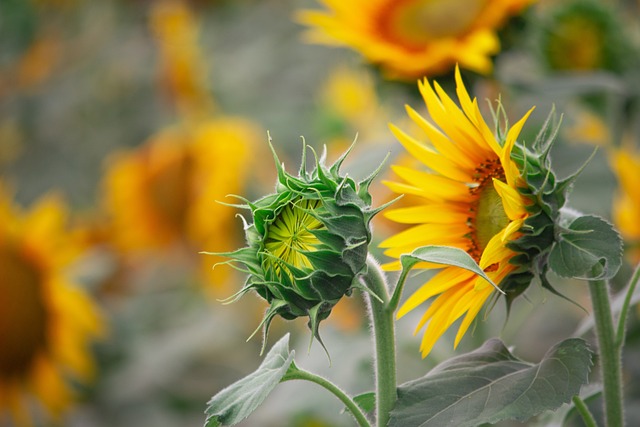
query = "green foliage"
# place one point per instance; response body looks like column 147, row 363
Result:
column 236, row 402
column 548, row 196
column 445, row 255
column 490, row 384
column 588, row 243
column 18, row 23
column 584, row 35
column 366, row 401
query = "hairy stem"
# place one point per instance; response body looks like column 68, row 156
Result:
column 300, row 374
column 586, row 415
column 609, row 352
column 625, row 307
column 383, row 329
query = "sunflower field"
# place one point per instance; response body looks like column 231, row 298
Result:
column 428, row 208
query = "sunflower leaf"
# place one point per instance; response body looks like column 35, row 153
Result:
column 236, row 402
column 490, row 384
column 445, row 255
column 588, row 243
column 366, row 402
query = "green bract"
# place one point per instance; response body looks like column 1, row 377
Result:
column 549, row 227
column 308, row 243
column 548, row 196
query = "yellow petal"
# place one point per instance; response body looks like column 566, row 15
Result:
column 441, row 282
column 479, row 298
column 512, row 201
column 432, row 213
column 442, row 187
column 505, row 153
column 424, row 232
column 430, row 158
column 465, row 158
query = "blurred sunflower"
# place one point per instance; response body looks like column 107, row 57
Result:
column 414, row 38
column 164, row 193
column 46, row 322
column 469, row 200
column 626, row 208
column 584, row 35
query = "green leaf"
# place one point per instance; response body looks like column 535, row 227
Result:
column 234, row 403
column 366, row 401
column 444, row 255
column 490, row 385
column 588, row 243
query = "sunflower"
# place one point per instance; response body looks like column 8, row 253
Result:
column 163, row 194
column 584, row 35
column 626, row 208
column 308, row 242
column 413, row 38
column 468, row 199
column 46, row 321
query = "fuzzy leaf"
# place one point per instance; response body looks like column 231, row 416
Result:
column 444, row 255
column 589, row 242
column 490, row 384
column 366, row 402
column 236, row 402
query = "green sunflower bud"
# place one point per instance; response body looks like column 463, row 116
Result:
column 308, row 242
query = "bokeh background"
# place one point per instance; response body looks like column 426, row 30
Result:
column 137, row 117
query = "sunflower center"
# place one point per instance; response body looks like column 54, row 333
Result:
column 417, row 22
column 23, row 315
column 488, row 216
column 290, row 235
column 168, row 190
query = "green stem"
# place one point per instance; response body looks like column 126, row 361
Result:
column 610, row 363
column 300, row 374
column 625, row 307
column 581, row 407
column 385, row 342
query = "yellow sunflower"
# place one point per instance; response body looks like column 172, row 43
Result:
column 164, row 193
column 46, row 322
column 414, row 38
column 626, row 208
column 468, row 198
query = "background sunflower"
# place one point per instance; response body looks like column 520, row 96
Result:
column 47, row 322
column 414, row 38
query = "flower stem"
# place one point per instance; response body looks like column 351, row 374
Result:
column 609, row 352
column 300, row 374
column 385, row 342
column 625, row 307
column 587, row 417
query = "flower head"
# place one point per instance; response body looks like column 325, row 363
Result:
column 413, row 38
column 476, row 195
column 584, row 36
column 162, row 194
column 46, row 322
column 308, row 242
